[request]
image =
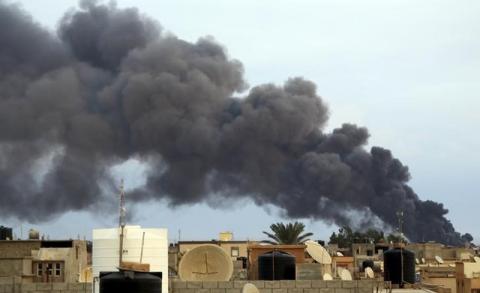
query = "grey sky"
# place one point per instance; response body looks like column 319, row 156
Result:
column 407, row 70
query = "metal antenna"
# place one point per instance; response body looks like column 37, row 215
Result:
column 121, row 221
column 400, row 230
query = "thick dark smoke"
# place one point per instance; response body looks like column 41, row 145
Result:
column 110, row 87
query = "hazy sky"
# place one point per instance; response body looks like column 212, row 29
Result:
column 407, row 70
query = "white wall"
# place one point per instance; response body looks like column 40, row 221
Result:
column 155, row 250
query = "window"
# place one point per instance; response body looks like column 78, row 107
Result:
column 369, row 252
column 235, row 252
column 39, row 269
column 49, row 269
column 58, row 269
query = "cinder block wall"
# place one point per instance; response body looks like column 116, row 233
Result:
column 46, row 287
column 300, row 286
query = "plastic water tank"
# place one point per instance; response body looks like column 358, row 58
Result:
column 394, row 259
column 276, row 265
column 130, row 282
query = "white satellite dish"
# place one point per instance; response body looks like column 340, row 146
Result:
column 345, row 275
column 438, row 259
column 369, row 273
column 327, row 277
column 207, row 262
column 339, row 253
column 417, row 261
column 250, row 288
column 318, row 252
column 476, row 259
column 451, row 265
column 423, row 260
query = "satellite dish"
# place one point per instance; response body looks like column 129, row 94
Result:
column 369, row 273
column 207, row 262
column 339, row 253
column 250, row 288
column 451, row 265
column 438, row 259
column 327, row 277
column 476, row 259
column 417, row 261
column 345, row 275
column 318, row 252
column 423, row 260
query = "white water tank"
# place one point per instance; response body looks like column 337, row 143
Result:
column 105, row 254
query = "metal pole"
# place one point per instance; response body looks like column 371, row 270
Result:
column 400, row 230
column 141, row 251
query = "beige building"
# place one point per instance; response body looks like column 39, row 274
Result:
column 468, row 277
column 429, row 250
column 439, row 277
column 233, row 248
column 43, row 261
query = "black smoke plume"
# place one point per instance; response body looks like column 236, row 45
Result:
column 111, row 86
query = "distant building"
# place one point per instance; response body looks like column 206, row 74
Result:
column 43, row 261
column 429, row 250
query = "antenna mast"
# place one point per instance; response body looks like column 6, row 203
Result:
column 121, row 221
column 400, row 224
column 400, row 230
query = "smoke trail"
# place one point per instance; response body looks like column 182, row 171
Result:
column 112, row 87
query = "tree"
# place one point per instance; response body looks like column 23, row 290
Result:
column 395, row 238
column 290, row 233
column 346, row 237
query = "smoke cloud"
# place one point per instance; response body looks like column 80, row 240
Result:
column 110, row 86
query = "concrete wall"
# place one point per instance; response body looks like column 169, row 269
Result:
column 447, row 283
column 46, row 287
column 304, row 286
column 225, row 245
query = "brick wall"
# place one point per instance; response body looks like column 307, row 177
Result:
column 300, row 286
column 46, row 287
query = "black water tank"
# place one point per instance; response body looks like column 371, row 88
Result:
column 368, row 263
column 130, row 282
column 5, row 233
column 276, row 265
column 393, row 266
